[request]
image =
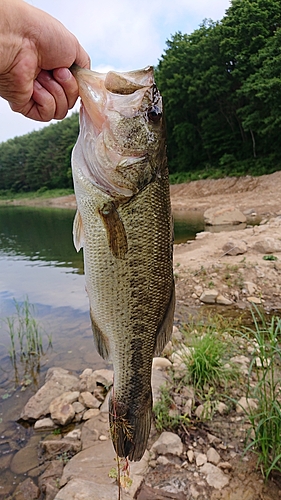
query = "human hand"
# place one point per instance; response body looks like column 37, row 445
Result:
column 36, row 51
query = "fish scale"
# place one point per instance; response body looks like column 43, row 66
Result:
column 127, row 243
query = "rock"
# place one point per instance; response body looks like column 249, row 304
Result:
column 212, row 456
column 254, row 300
column 93, row 428
column 250, row 287
column 61, row 408
column 161, row 363
column 246, row 405
column 83, row 489
column 57, row 382
column 50, row 479
column 176, row 335
column 91, row 464
column 78, row 407
column 168, row 443
column 199, row 411
column 190, row 455
column 103, row 377
column 90, row 413
column 180, row 355
column 214, row 476
column 267, row 245
column 200, row 459
column 75, row 434
column 235, row 247
column 225, row 465
column 148, row 493
column 25, row 459
column 45, row 424
column 138, row 471
column 88, row 400
column 223, row 215
column 26, row 491
column 187, row 409
column 221, row 408
column 55, row 447
column 105, row 405
column 209, row 296
column 223, row 301
column 158, row 379
column 213, row 439
column 240, row 360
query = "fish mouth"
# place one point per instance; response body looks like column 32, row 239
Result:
column 107, row 100
column 121, row 92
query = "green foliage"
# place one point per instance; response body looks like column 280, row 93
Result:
column 222, row 92
column 270, row 257
column 39, row 160
column 165, row 417
column 204, row 363
column 265, row 420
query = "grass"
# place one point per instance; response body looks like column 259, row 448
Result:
column 43, row 193
column 204, row 365
column 265, row 421
column 26, row 341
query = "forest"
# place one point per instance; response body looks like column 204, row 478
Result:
column 221, row 87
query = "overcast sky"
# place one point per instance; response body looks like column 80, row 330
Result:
column 118, row 34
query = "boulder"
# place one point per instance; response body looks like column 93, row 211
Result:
column 55, row 447
column 209, row 296
column 168, row 443
column 213, row 457
column 88, row 400
column 214, row 476
column 246, row 405
column 49, row 480
column 61, row 409
column 223, row 216
column 267, row 245
column 84, row 489
column 235, row 247
column 57, row 382
column 26, row 490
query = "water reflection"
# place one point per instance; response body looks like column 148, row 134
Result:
column 39, row 234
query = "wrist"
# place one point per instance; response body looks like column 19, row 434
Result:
column 11, row 31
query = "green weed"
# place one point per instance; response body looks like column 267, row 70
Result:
column 204, row 364
column 166, row 414
column 265, row 421
column 26, row 341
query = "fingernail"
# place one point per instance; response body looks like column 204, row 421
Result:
column 37, row 85
column 63, row 74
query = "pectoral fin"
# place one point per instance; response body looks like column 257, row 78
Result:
column 116, row 234
column 78, row 232
column 165, row 329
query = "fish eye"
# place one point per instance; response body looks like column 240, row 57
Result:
column 154, row 114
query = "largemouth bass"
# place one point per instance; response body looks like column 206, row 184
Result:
column 124, row 225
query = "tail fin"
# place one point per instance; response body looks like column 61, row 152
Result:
column 129, row 428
